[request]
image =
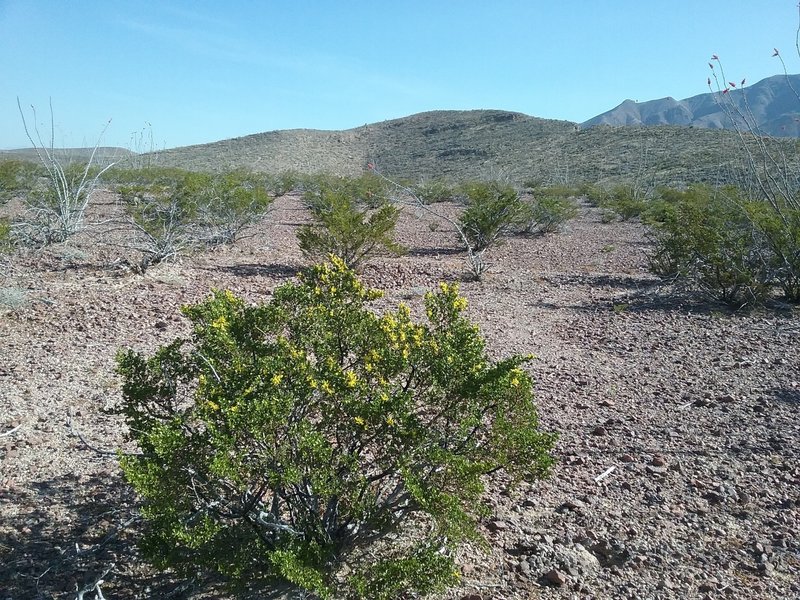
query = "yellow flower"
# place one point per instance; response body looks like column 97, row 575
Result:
column 360, row 421
column 326, row 387
column 220, row 323
column 212, row 405
column 390, row 421
column 515, row 381
column 350, row 379
column 460, row 303
column 277, row 378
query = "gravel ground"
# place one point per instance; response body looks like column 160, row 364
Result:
column 677, row 475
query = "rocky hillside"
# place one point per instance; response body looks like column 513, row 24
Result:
column 484, row 144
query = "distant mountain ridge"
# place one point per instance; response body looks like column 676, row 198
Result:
column 773, row 103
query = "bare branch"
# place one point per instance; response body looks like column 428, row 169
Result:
column 10, row 431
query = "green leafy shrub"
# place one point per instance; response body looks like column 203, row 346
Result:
column 347, row 230
column 229, row 203
column 779, row 228
column 625, row 201
column 124, row 177
column 284, row 183
column 367, row 190
column 556, row 191
column 705, row 236
column 5, row 235
column 433, row 191
column 314, row 442
column 493, row 211
column 17, row 178
column 172, row 210
column 548, row 214
column 163, row 214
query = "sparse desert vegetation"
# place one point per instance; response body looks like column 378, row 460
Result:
column 296, row 432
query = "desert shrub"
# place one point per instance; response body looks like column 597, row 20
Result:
column 343, row 228
column 56, row 209
column 547, row 214
column 625, row 201
column 537, row 188
column 366, row 190
column 284, row 183
column 163, row 216
column 17, row 178
column 706, row 237
column 12, row 298
column 172, row 211
column 493, row 211
column 229, row 203
column 6, row 240
column 56, row 204
column 433, row 191
column 315, row 442
column 780, row 232
column 159, row 175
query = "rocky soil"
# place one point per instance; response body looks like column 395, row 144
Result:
column 678, row 472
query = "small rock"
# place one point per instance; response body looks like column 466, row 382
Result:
column 607, row 403
column 472, row 597
column 626, row 458
column 726, row 399
column 707, row 586
column 658, row 461
column 573, row 504
column 599, row 430
column 555, row 577
column 655, row 470
column 497, row 525
column 766, row 568
column 524, row 567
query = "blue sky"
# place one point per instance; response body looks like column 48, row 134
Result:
column 196, row 72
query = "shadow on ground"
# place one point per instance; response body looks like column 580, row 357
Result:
column 279, row 271
column 66, row 533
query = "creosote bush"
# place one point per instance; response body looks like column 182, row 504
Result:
column 348, row 230
column 706, row 237
column 172, row 211
column 493, row 211
column 17, row 178
column 314, row 443
column 548, row 214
